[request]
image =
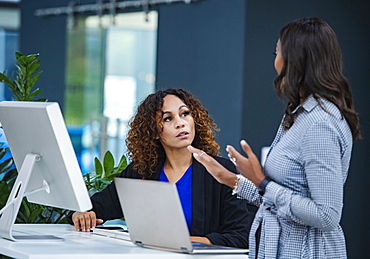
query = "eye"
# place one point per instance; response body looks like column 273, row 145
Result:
column 167, row 118
column 185, row 113
column 274, row 53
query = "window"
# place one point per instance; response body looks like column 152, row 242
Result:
column 110, row 69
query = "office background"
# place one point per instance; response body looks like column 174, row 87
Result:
column 221, row 50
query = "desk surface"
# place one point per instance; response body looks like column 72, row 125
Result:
column 84, row 245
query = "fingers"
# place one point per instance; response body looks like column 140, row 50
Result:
column 84, row 221
column 198, row 239
column 76, row 222
column 196, row 151
column 233, row 154
column 247, row 149
column 198, row 154
column 249, row 166
column 231, row 151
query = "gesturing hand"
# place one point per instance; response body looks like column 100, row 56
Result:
column 249, row 166
column 220, row 173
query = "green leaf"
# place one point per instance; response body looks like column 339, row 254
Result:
column 32, row 56
column 10, row 176
column 4, row 193
column 19, row 89
column 21, row 59
column 41, row 100
column 35, row 214
column 34, row 79
column 18, row 54
column 108, row 163
column 122, row 164
column 5, row 79
column 6, row 165
column 33, row 66
column 34, row 93
column 3, row 151
column 18, row 98
column 111, row 176
column 26, row 207
column 98, row 167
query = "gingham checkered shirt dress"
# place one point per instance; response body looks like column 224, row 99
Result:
column 300, row 211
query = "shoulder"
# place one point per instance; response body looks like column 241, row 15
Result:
column 328, row 113
column 321, row 113
column 321, row 109
column 130, row 172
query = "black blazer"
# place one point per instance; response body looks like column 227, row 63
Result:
column 221, row 217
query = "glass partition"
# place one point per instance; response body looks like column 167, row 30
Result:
column 110, row 69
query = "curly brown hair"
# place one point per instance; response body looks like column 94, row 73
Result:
column 144, row 148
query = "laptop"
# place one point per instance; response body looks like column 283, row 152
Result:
column 155, row 219
column 113, row 231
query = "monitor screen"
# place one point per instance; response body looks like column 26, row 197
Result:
column 48, row 171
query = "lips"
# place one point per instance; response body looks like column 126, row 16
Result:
column 182, row 134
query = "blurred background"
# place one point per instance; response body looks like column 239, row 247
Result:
column 100, row 58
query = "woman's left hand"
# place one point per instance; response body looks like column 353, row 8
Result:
column 249, row 166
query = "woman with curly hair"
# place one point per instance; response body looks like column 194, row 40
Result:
column 165, row 124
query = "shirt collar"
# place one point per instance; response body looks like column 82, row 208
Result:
column 308, row 104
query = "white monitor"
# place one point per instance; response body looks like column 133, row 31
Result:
column 48, row 171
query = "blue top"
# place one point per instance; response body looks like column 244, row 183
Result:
column 184, row 188
column 299, row 213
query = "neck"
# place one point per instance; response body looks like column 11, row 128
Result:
column 301, row 96
column 176, row 163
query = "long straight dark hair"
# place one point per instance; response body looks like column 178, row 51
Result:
column 313, row 66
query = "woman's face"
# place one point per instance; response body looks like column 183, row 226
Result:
column 175, row 124
column 279, row 61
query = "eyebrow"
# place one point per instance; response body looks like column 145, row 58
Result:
column 181, row 106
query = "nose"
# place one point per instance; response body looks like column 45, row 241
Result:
column 179, row 123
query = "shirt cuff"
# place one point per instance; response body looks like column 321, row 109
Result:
column 271, row 191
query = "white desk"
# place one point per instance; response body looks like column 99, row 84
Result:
column 85, row 245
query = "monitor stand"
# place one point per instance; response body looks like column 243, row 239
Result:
column 8, row 214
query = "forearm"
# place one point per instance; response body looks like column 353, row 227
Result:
column 304, row 210
column 227, row 178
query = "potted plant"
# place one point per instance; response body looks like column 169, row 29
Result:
column 104, row 172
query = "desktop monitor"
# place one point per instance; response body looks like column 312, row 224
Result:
column 48, row 171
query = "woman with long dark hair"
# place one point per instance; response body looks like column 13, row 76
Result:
column 300, row 189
